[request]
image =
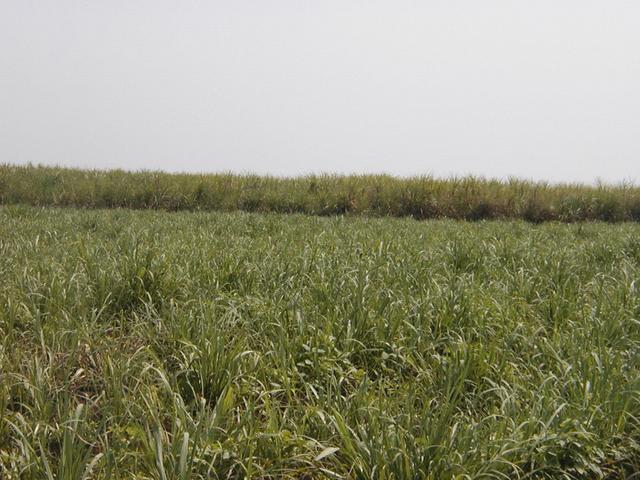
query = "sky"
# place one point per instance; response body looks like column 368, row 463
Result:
column 545, row 89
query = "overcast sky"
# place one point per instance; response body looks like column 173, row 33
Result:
column 544, row 89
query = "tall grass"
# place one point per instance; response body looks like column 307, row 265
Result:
column 231, row 345
column 374, row 195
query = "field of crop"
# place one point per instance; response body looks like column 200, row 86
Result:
column 147, row 344
column 424, row 197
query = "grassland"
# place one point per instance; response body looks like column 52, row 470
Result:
column 369, row 195
column 145, row 344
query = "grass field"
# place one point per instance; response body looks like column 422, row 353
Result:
column 424, row 197
column 145, row 344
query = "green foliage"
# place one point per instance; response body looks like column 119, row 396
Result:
column 466, row 198
column 193, row 345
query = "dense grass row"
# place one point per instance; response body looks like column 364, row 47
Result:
column 217, row 345
column 421, row 197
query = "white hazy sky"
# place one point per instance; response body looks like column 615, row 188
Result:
column 544, row 89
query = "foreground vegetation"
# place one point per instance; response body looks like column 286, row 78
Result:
column 420, row 197
column 215, row 345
